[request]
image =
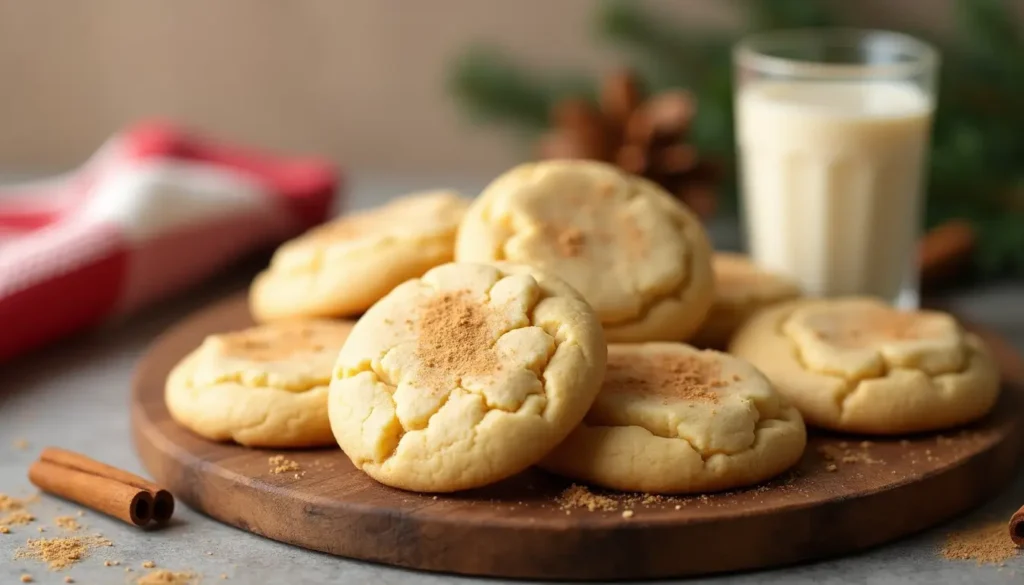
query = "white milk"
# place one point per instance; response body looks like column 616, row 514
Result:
column 831, row 178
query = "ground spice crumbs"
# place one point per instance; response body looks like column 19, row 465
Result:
column 16, row 515
column 577, row 496
column 60, row 553
column 148, row 564
column 278, row 464
column 985, row 544
column 165, row 577
column 843, row 453
column 67, row 523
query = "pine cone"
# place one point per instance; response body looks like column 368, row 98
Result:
column 643, row 136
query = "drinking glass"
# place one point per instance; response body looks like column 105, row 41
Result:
column 832, row 132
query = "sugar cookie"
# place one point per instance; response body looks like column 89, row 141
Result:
column 465, row 376
column 674, row 419
column 343, row 267
column 637, row 255
column 262, row 387
column 741, row 289
column 858, row 365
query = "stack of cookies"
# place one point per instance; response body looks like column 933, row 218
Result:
column 545, row 324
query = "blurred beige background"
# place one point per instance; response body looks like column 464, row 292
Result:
column 361, row 81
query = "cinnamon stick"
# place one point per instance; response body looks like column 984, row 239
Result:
column 1017, row 527
column 102, row 487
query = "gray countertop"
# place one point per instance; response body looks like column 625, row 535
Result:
column 74, row 394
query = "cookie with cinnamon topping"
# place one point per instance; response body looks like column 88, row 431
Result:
column 636, row 254
column 674, row 419
column 859, row 365
column 342, row 267
column 465, row 376
column 262, row 387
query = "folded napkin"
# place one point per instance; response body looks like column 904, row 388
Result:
column 153, row 211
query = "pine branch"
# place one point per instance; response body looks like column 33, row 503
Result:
column 492, row 88
column 775, row 14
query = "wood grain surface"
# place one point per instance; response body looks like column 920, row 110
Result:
column 845, row 495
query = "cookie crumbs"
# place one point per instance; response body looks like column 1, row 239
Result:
column 627, row 514
column 678, row 507
column 831, row 467
column 165, row 577
column 843, row 445
column 21, row 444
column 985, row 544
column 111, row 563
column 41, row 529
column 148, row 564
column 67, row 523
column 68, row 580
column 60, row 553
column 904, row 443
column 81, row 513
column 223, row 577
column 578, row 496
column 5, row 530
column 26, row 578
column 278, row 464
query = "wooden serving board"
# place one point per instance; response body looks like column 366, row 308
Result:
column 843, row 496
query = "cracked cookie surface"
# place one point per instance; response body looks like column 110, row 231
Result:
column 465, row 376
column 342, row 267
column 741, row 289
column 858, row 365
column 674, row 419
column 637, row 255
column 261, row 387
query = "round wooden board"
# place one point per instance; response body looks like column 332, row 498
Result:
column 845, row 495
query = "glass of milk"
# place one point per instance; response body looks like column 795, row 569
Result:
column 832, row 129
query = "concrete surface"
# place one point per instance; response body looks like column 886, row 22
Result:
column 74, row 395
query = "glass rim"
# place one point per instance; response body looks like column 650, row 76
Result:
column 746, row 52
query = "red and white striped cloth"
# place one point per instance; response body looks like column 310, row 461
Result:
column 152, row 212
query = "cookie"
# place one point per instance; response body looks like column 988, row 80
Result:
column 741, row 289
column 465, row 376
column 637, row 255
column 858, row 365
column 343, row 267
column 262, row 387
column 674, row 419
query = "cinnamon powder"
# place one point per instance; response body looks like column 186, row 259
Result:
column 16, row 514
column 60, row 553
column 682, row 377
column 455, row 340
column 577, row 496
column 570, row 242
column 67, row 523
column 165, row 577
column 985, row 544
